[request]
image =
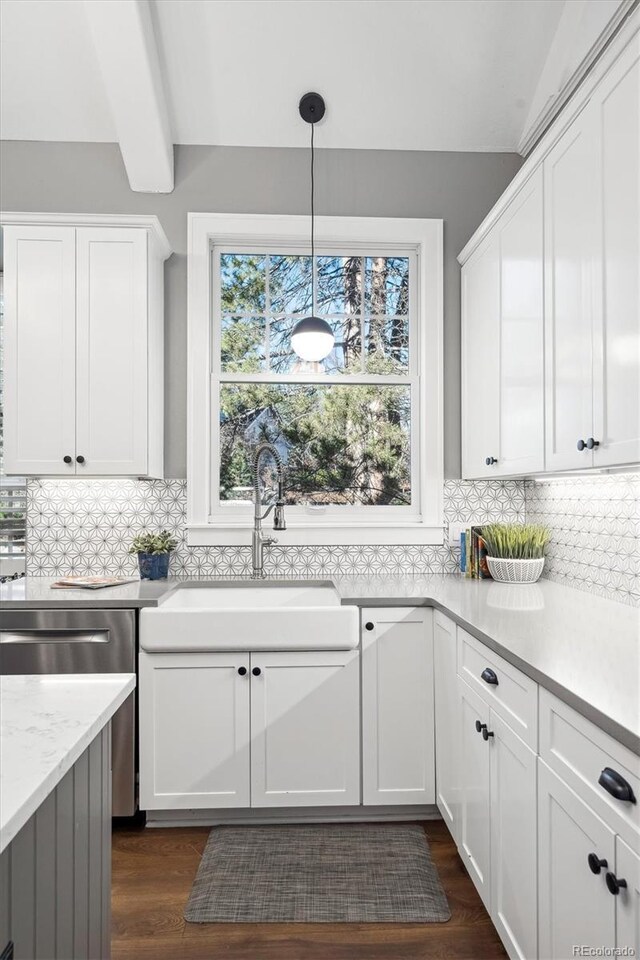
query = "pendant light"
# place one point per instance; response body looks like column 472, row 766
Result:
column 312, row 338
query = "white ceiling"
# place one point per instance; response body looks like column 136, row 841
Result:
column 396, row 74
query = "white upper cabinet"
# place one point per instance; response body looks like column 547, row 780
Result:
column 84, row 347
column 592, row 231
column 481, row 361
column 551, row 293
column 569, row 174
column 40, row 338
column 502, row 344
column 616, row 409
column 111, row 380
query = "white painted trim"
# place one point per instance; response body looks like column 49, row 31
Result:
column 315, row 534
column 555, row 103
column 150, row 223
column 423, row 236
column 574, row 106
column 127, row 53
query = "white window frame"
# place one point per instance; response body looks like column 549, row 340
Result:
column 390, row 236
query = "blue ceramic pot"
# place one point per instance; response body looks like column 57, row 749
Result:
column 153, row 566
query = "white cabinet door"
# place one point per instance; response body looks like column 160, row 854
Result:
column 570, row 226
column 40, row 364
column 514, row 852
column 628, row 900
column 112, row 324
column 194, row 730
column 481, row 361
column 305, row 729
column 447, row 717
column 574, row 905
column 521, row 346
column 398, row 762
column 475, row 791
column 616, row 108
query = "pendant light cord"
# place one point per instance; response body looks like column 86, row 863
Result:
column 313, row 270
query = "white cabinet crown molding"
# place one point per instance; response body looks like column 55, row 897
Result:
column 150, row 223
column 578, row 101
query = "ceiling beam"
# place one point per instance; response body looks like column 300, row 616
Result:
column 126, row 49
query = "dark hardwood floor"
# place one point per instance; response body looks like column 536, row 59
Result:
column 152, row 875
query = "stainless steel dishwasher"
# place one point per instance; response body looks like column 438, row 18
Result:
column 81, row 641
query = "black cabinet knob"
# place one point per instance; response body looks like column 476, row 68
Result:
column 487, row 733
column 616, row 785
column 490, row 461
column 256, row 671
column 595, row 863
column 68, row 459
column 591, row 443
column 242, row 671
column 581, row 445
column 368, row 625
column 80, row 459
column 480, row 726
column 489, row 676
column 615, row 885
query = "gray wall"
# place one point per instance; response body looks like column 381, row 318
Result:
column 460, row 188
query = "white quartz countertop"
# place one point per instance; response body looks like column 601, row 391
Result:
column 46, row 724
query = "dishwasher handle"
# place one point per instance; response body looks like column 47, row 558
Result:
column 65, row 635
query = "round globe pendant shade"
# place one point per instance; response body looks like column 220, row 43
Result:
column 312, row 339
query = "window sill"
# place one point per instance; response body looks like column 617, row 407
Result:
column 309, row 535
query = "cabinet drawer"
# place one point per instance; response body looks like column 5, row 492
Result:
column 512, row 695
column 579, row 751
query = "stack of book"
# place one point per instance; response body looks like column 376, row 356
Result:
column 473, row 554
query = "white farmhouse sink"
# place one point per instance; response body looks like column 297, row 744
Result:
column 260, row 615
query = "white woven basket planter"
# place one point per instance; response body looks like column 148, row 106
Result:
column 515, row 571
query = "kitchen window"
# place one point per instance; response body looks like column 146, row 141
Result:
column 360, row 432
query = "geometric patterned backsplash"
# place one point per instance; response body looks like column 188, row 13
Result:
column 86, row 526
column 595, row 532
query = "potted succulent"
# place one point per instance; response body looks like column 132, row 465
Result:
column 153, row 551
column 515, row 551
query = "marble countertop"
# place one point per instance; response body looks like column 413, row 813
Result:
column 47, row 722
column 584, row 649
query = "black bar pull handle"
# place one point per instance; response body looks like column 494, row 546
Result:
column 489, row 676
column 616, row 785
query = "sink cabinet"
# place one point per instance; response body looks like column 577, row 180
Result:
column 305, row 729
column 194, row 730
column 233, row 730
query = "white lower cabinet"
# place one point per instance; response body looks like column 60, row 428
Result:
column 446, row 720
column 513, row 840
column 398, row 764
column 236, row 730
column 194, row 730
column 575, row 909
column 305, row 729
column 628, row 899
column 497, row 833
column 475, row 787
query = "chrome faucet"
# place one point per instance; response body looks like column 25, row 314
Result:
column 258, row 541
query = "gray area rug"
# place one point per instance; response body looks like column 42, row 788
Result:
column 324, row 873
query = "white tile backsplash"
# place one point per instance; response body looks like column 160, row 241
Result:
column 86, row 526
column 595, row 532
